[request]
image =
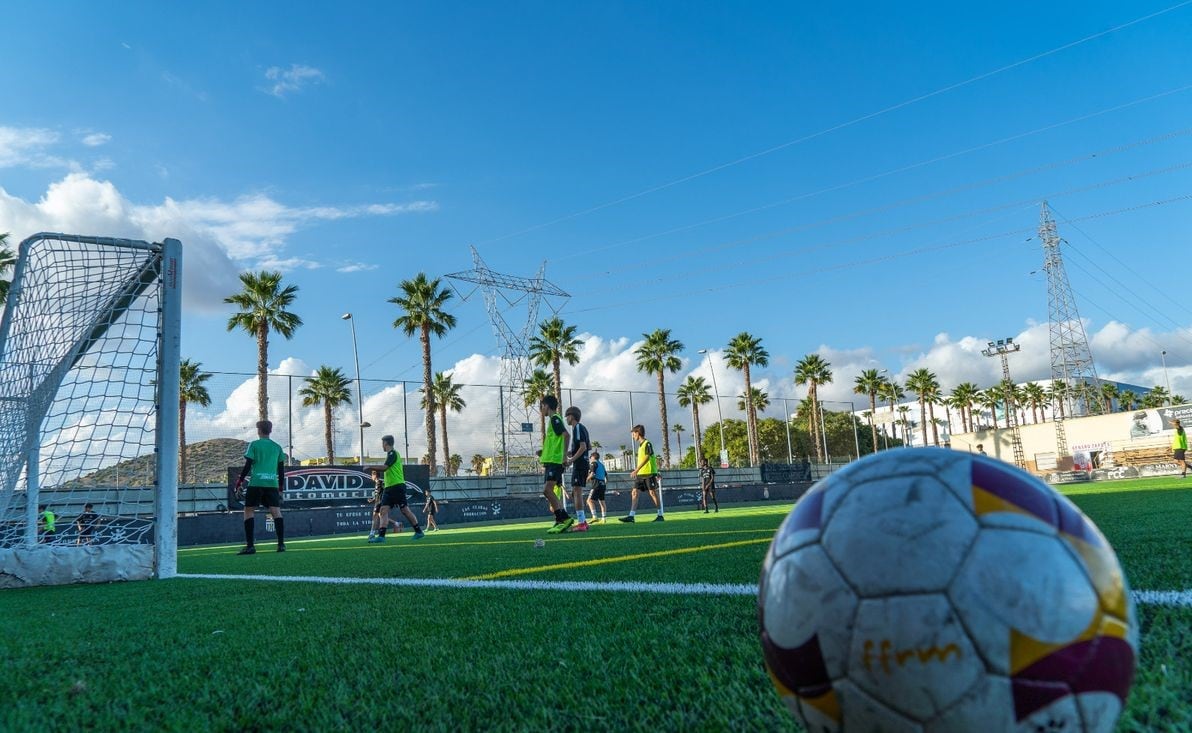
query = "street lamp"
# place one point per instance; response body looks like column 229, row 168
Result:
column 359, row 402
column 719, row 413
column 1163, row 356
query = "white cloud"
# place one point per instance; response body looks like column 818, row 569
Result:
column 220, row 237
column 293, row 79
column 27, row 146
column 356, row 267
column 95, row 139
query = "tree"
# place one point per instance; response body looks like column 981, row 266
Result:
column 693, row 393
column 422, row 303
column 330, row 388
column 477, row 464
column 555, row 343
column 891, row 392
column 760, row 399
column 1058, row 394
column 1127, row 400
column 678, row 429
column 812, row 370
column 990, row 398
column 191, row 389
column 868, row 382
column 745, row 351
column 446, row 397
column 1034, row 395
column 963, row 397
column 657, row 355
column 8, row 259
column 263, row 302
column 453, row 464
column 534, row 388
column 1156, row 397
column 924, row 384
column 903, row 411
column 1109, row 392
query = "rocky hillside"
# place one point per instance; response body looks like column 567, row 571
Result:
column 207, row 462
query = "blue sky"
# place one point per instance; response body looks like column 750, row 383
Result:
column 354, row 146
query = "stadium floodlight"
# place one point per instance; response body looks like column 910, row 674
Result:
column 716, row 390
column 359, row 401
column 89, row 384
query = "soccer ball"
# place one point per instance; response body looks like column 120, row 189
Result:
column 932, row 590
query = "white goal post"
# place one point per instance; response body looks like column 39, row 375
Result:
column 89, row 361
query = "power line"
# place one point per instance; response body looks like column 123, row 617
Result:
column 842, row 125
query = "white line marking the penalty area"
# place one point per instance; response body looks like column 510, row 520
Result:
column 1178, row 598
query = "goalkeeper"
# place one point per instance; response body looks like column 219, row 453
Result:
column 265, row 465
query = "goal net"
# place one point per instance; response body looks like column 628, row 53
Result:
column 89, row 411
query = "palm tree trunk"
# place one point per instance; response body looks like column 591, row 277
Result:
column 935, row 430
column 446, row 446
column 430, row 399
column 262, row 372
column 327, row 433
column 679, row 442
column 182, row 441
column 558, row 380
column 699, row 445
column 923, row 418
column 872, row 418
column 662, row 415
column 749, row 426
column 814, row 422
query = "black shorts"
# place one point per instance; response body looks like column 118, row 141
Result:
column 1179, row 453
column 267, row 496
column 552, row 472
column 579, row 474
column 646, row 483
column 597, row 492
column 431, row 510
column 394, row 496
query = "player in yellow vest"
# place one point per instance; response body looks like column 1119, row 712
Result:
column 645, row 475
column 266, row 462
column 554, row 451
column 394, row 494
column 1179, row 446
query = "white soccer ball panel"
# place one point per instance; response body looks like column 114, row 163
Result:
column 804, row 597
column 1025, row 582
column 912, row 654
column 989, row 706
column 899, row 534
column 1060, row 716
column 815, row 721
column 862, row 713
column 1100, row 711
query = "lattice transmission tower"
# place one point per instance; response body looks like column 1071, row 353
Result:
column 506, row 297
column 1071, row 360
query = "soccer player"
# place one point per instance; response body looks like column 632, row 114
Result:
column 577, row 458
column 85, row 524
column 395, row 491
column 430, row 509
column 265, row 466
column 46, row 519
column 645, row 475
column 554, row 448
column 376, row 517
column 707, row 482
column 599, row 478
column 1179, row 446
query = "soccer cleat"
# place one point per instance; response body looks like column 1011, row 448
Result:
column 562, row 526
column 581, row 527
column 250, row 550
column 626, row 519
column 419, row 534
column 659, row 518
column 281, row 548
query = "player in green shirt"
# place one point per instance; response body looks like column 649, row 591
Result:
column 645, row 475
column 1179, row 446
column 45, row 516
column 554, row 448
column 394, row 494
column 266, row 462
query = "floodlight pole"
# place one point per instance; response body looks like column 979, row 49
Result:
column 716, row 391
column 359, row 403
column 1166, row 381
column 1003, row 348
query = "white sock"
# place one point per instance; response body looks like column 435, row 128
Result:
column 660, row 511
column 580, row 516
column 632, row 512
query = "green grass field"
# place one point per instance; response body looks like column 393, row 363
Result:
column 227, row 654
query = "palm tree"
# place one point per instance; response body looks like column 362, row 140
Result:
column 262, row 302
column 903, row 411
column 1058, row 394
column 534, row 388
column 990, row 398
column 745, row 351
column 1109, row 392
column 446, row 397
column 477, row 464
column 694, row 392
column 934, row 394
column 678, row 429
column 1035, row 396
column 8, row 259
column 1127, row 400
column 555, row 343
column 868, row 382
column 1156, row 397
column 329, row 388
column 760, row 398
column 453, row 464
column 891, row 392
column 191, row 388
column 625, row 454
column 813, row 371
column 923, row 383
column 657, row 355
column 422, row 302
column 963, row 396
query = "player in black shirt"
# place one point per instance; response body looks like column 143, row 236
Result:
column 707, row 482
column 577, row 458
column 85, row 524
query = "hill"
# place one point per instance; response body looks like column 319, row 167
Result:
column 207, row 462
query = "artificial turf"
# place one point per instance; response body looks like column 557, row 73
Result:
column 193, row 654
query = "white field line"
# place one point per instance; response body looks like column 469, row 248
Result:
column 1142, row 597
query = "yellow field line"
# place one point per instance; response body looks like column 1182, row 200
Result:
column 610, row 560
